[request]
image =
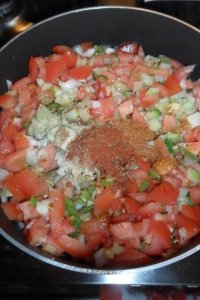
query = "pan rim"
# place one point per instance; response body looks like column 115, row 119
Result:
column 92, row 270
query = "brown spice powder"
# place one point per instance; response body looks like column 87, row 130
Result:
column 113, row 146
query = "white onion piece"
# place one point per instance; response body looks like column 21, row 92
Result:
column 194, row 119
column 69, row 84
column 42, row 207
column 3, row 174
column 89, row 53
column 95, row 104
column 182, row 194
column 110, row 50
column 100, row 259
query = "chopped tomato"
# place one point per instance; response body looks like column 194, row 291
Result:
column 168, row 122
column 10, row 131
column 147, row 99
column 8, row 101
column 5, row 117
column 130, row 258
column 151, row 208
column 103, row 200
column 131, row 186
column 16, row 161
column 52, row 246
column 12, row 211
column 79, row 73
column 47, row 161
column 54, row 70
column 162, row 148
column 173, row 85
column 131, row 206
column 123, row 231
column 164, row 193
column 28, row 210
column 94, row 226
column 190, row 228
column 104, row 108
column 160, row 238
column 192, row 213
column 195, row 194
column 125, row 108
column 38, row 231
column 25, row 184
column 138, row 117
column 20, row 141
column 86, row 45
column 33, row 68
column 74, row 247
column 69, row 56
column 6, row 146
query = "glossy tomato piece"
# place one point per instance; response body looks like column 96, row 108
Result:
column 52, row 246
column 20, row 141
column 80, row 73
column 8, row 101
column 192, row 213
column 16, row 161
column 190, row 228
column 74, row 247
column 131, row 206
column 103, row 201
column 195, row 194
column 104, row 108
column 164, row 193
column 12, row 210
column 173, row 85
column 130, row 258
column 37, row 234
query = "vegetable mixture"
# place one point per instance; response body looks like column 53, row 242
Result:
column 100, row 154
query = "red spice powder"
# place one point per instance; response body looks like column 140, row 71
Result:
column 113, row 146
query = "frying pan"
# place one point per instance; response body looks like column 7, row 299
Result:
column 156, row 32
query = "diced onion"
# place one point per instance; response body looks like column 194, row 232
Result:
column 3, row 174
column 194, row 119
column 43, row 207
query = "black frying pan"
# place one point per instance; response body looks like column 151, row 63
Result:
column 157, row 33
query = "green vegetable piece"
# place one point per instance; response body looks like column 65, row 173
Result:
column 144, row 185
column 127, row 93
column 189, row 154
column 193, row 175
column 76, row 221
column 26, row 124
column 54, row 106
column 106, row 181
column 70, row 209
column 170, row 145
column 99, row 50
column 33, row 201
column 153, row 174
column 73, row 234
column 85, row 195
column 175, row 137
column 99, row 76
column 165, row 59
column 143, row 245
column 189, row 200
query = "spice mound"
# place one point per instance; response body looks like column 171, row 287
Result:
column 113, row 147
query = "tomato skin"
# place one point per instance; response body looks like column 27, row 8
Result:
column 38, row 231
column 192, row 213
column 131, row 206
column 130, row 258
column 164, row 193
column 52, row 246
column 95, row 231
column 8, row 101
column 20, row 141
column 16, row 161
column 160, row 238
column 173, row 85
column 81, row 72
column 168, row 122
column 123, row 231
column 195, row 194
column 12, row 211
column 191, row 228
column 28, row 210
column 103, row 200
column 68, row 55
column 54, row 70
column 25, row 184
column 33, row 69
column 74, row 247
column 131, row 186
column 105, row 110
column 10, row 131
column 6, row 146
